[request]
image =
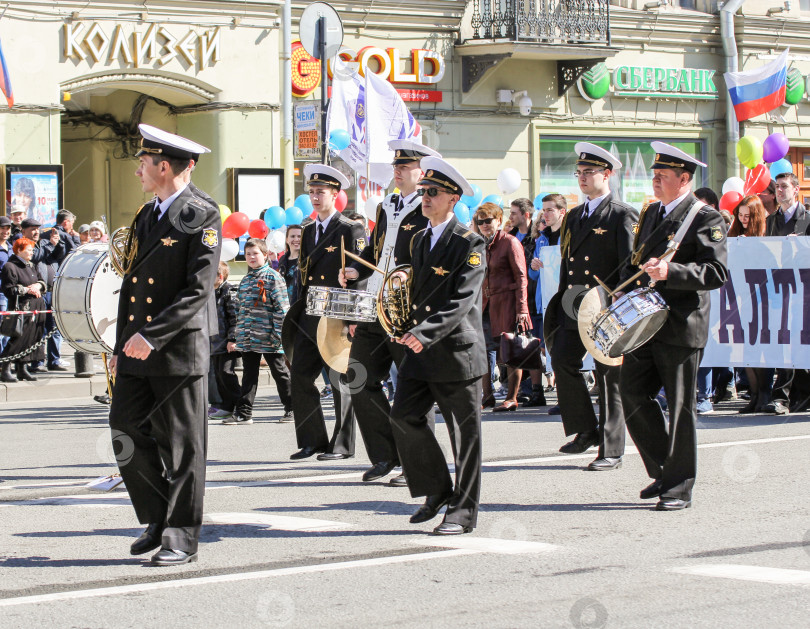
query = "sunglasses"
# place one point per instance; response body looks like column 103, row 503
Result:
column 431, row 192
column 483, row 221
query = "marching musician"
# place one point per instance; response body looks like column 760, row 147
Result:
column 596, row 241
column 399, row 219
column 319, row 265
column 161, row 356
column 672, row 356
column 445, row 357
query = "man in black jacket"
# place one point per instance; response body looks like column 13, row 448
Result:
column 672, row 356
column 166, row 313
column 445, row 356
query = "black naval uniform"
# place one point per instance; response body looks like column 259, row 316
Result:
column 319, row 265
column 371, row 346
column 598, row 247
column 446, row 301
column 671, row 358
column 158, row 412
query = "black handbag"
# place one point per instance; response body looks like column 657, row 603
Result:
column 12, row 325
column 521, row 350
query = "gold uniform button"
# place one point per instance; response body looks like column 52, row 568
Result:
column 148, row 318
column 570, row 272
column 395, row 259
column 151, row 281
column 427, row 308
column 586, row 258
column 134, row 280
column 148, row 300
column 132, row 317
column 415, row 322
column 132, row 299
column 310, row 277
column 570, row 286
column 587, row 285
column 587, row 272
column 638, row 282
column 571, row 259
column 322, row 277
column 414, row 306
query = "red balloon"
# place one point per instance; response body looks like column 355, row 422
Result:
column 757, row 179
column 370, row 225
column 258, row 229
column 235, row 225
column 314, row 215
column 341, row 201
column 730, row 200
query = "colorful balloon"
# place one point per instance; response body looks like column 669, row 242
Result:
column 493, row 198
column 235, row 225
column 733, row 184
column 749, row 151
column 294, row 215
column 775, row 147
column 275, row 217
column 341, row 201
column 229, row 250
column 779, row 167
column 258, row 229
column 303, row 201
column 224, row 212
column 462, row 212
column 339, row 139
column 508, row 180
column 477, row 195
column 275, row 242
column 757, row 179
column 730, row 200
column 538, row 201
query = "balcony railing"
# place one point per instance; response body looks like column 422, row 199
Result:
column 543, row 21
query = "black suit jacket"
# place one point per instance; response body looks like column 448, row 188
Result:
column 445, row 287
column 168, row 295
column 601, row 247
column 319, row 264
column 799, row 223
column 700, row 265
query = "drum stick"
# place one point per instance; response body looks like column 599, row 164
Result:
column 363, row 262
column 342, row 255
column 668, row 253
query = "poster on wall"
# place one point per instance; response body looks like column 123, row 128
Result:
column 253, row 190
column 37, row 190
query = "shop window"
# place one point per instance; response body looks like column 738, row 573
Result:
column 632, row 183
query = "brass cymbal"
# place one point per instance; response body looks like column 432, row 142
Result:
column 595, row 301
column 334, row 343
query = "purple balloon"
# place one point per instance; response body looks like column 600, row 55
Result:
column 775, row 147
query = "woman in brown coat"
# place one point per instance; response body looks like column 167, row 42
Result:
column 504, row 293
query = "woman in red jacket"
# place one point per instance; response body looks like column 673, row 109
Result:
column 505, row 304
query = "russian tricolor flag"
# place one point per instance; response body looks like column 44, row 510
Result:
column 759, row 91
column 5, row 82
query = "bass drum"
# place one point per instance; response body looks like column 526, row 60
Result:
column 85, row 299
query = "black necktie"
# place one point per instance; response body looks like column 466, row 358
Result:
column 428, row 237
column 320, row 232
column 780, row 222
column 153, row 219
column 584, row 217
column 659, row 216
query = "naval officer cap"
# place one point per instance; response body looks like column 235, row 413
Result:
column 591, row 155
column 156, row 141
column 407, row 151
column 439, row 172
column 323, row 175
column 667, row 156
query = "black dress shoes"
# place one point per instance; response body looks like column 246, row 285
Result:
column 398, row 481
column 554, row 410
column 653, row 490
column 672, row 504
column 149, row 540
column 538, row 398
column 305, row 453
column 378, row 470
column 431, row 508
column 334, row 456
column 169, row 557
column 604, row 464
column 488, row 401
column 581, row 442
column 450, row 528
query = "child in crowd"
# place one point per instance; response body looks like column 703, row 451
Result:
column 223, row 360
column 263, row 302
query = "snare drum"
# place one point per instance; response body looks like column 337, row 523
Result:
column 341, row 303
column 85, row 299
column 630, row 322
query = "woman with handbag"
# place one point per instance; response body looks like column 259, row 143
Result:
column 23, row 286
column 505, row 304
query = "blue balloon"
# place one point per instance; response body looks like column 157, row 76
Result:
column 462, row 212
column 779, row 167
column 339, row 139
column 275, row 217
column 538, row 201
column 294, row 215
column 477, row 195
column 497, row 199
column 303, row 201
column 467, row 200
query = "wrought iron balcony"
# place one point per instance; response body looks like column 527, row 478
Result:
column 542, row 21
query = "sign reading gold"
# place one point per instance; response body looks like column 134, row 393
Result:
column 140, row 48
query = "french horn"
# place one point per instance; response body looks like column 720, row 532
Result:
column 124, row 247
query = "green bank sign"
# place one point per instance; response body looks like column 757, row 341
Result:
column 648, row 82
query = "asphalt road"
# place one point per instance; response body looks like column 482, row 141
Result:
column 307, row 544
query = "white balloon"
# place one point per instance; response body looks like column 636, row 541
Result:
column 230, row 248
column 275, row 241
column 508, row 180
column 734, row 184
column 371, row 207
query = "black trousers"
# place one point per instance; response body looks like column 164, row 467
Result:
column 250, row 380
column 421, row 456
column 576, row 407
column 224, row 366
column 159, row 434
column 669, row 451
column 310, row 427
column 372, row 355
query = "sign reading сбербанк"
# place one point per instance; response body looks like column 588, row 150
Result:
column 648, row 82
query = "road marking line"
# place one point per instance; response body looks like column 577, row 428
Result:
column 228, row 578
column 778, row 576
column 489, row 545
column 278, row 522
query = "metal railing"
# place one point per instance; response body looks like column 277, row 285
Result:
column 543, row 21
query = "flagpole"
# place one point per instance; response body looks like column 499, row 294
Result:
column 368, row 143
